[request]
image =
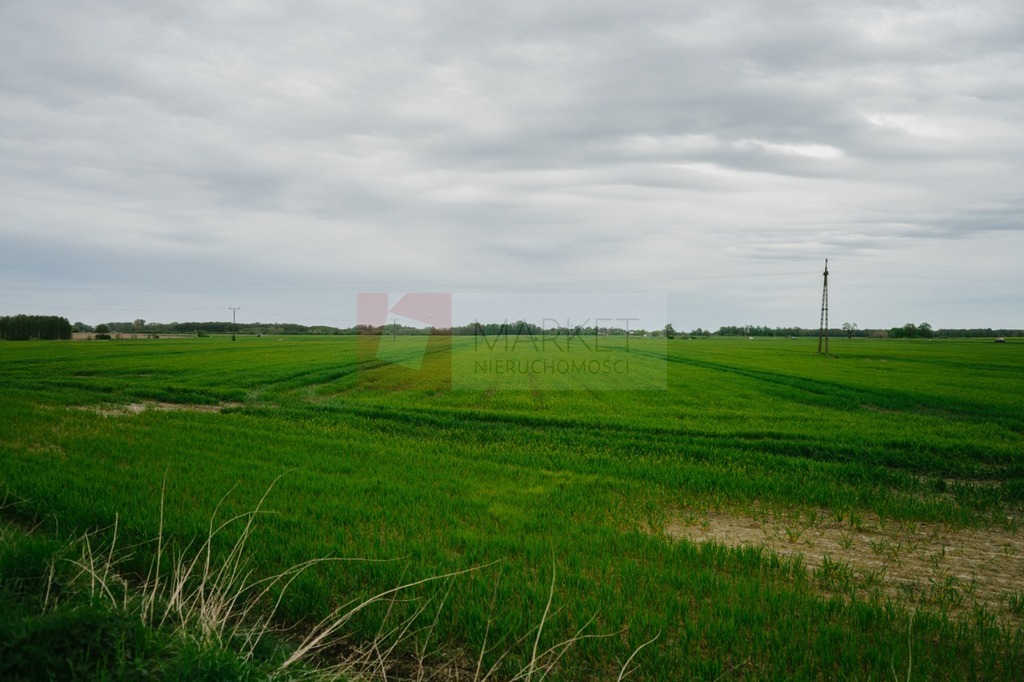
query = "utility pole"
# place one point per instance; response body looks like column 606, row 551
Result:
column 823, row 325
column 394, row 330
column 234, row 326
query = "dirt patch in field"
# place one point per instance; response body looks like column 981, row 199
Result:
column 137, row 336
column 876, row 408
column 920, row 564
column 139, row 408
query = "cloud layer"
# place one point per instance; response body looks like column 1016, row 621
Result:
column 283, row 156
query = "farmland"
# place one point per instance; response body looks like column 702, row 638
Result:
column 767, row 513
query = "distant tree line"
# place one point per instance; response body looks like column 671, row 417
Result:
column 25, row 327
column 144, row 327
column 977, row 333
column 21, row 327
column 755, row 330
column 522, row 327
column 850, row 330
column 517, row 328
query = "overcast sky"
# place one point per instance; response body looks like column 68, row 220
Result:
column 166, row 160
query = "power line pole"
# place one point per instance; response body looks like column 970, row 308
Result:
column 823, row 325
column 234, row 326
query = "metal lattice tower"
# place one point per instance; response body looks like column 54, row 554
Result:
column 234, row 326
column 823, row 325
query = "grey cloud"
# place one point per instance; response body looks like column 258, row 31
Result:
column 420, row 138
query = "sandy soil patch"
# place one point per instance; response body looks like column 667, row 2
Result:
column 89, row 336
column 921, row 564
column 139, row 408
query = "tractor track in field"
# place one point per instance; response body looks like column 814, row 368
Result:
column 683, row 439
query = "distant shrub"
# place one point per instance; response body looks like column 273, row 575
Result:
column 102, row 337
column 202, row 333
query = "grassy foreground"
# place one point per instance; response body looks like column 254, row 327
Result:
column 522, row 487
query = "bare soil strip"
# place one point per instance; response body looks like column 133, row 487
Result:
column 926, row 565
column 139, row 408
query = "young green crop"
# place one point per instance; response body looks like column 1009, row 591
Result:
column 434, row 479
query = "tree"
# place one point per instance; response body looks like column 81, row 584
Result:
column 849, row 328
column 907, row 331
column 924, row 330
column 42, row 327
column 670, row 332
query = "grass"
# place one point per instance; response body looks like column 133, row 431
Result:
column 424, row 481
column 200, row 616
column 61, row 623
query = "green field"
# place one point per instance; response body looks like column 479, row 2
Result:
column 609, row 492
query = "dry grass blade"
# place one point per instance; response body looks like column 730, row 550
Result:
column 330, row 625
column 543, row 619
column 625, row 666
